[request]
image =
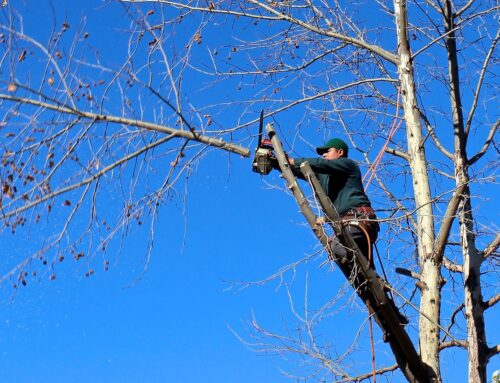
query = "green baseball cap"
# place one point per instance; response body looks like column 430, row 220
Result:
column 336, row 143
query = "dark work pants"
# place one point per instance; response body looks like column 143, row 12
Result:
column 346, row 257
column 348, row 266
column 360, row 238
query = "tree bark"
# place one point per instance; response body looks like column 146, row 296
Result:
column 473, row 298
column 430, row 301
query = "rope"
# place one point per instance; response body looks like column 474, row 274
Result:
column 368, row 240
column 383, row 270
column 394, row 128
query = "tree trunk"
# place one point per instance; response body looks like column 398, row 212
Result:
column 473, row 298
column 430, row 302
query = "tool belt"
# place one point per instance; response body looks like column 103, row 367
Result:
column 365, row 217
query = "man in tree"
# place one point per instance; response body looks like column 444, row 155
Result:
column 340, row 178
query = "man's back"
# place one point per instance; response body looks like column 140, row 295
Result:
column 341, row 179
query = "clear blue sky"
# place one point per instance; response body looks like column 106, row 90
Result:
column 176, row 322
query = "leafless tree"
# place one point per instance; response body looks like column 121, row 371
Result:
column 413, row 79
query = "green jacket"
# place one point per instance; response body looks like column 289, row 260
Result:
column 340, row 179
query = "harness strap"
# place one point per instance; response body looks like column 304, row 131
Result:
column 363, row 217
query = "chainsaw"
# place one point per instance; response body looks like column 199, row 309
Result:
column 264, row 154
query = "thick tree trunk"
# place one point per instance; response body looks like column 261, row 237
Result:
column 430, row 302
column 473, row 298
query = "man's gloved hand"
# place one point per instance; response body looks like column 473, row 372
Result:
column 274, row 162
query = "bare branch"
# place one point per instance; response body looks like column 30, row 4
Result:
column 456, row 268
column 398, row 153
column 492, row 351
column 407, row 214
column 434, row 137
column 368, row 375
column 319, row 96
column 480, row 81
column 464, row 8
column 392, row 58
column 491, row 302
column 89, row 180
column 448, row 218
column 214, row 10
column 420, row 312
column 423, row 49
column 453, row 343
column 492, row 247
column 211, row 141
column 453, row 318
column 50, row 58
column 437, row 8
column 487, row 143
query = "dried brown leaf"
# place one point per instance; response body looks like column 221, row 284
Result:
column 7, row 190
column 197, row 37
column 22, row 56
